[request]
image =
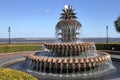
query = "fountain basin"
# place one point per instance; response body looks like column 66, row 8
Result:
column 61, row 65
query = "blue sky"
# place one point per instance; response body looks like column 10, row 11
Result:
column 38, row 18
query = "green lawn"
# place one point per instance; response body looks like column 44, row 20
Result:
column 19, row 47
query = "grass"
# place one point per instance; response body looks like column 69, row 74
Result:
column 10, row 74
column 19, row 47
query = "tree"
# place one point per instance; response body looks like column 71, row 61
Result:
column 117, row 24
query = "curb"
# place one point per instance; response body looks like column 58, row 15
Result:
column 115, row 59
column 6, row 64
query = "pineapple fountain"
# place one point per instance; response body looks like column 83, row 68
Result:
column 68, row 57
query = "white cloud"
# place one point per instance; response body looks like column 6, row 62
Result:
column 42, row 10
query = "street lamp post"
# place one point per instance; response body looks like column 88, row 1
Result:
column 107, row 34
column 9, row 30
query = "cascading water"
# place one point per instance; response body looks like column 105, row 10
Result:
column 69, row 58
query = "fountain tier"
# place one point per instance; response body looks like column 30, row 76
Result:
column 70, row 49
column 62, row 64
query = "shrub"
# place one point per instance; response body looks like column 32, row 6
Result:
column 10, row 74
column 108, row 46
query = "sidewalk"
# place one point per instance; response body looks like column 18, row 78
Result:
column 4, row 57
column 115, row 57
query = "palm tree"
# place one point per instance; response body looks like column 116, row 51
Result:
column 67, row 27
column 117, row 24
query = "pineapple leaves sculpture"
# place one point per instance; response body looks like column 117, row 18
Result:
column 117, row 24
column 67, row 28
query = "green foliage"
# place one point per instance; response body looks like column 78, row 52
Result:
column 108, row 46
column 10, row 74
column 117, row 24
column 19, row 47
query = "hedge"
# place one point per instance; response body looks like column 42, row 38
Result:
column 108, row 46
column 10, row 74
column 33, row 47
column 17, row 48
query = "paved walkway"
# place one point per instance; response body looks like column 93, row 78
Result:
column 4, row 57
